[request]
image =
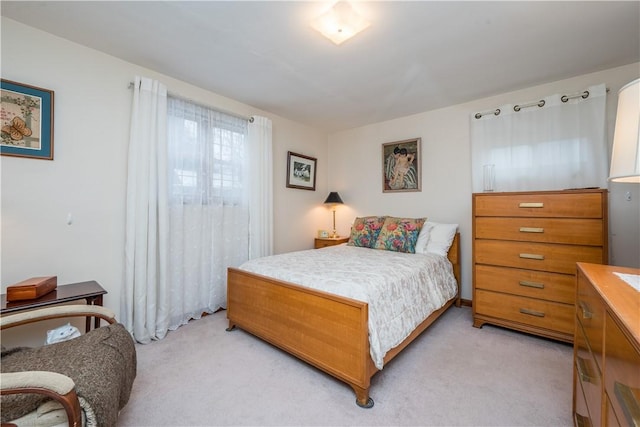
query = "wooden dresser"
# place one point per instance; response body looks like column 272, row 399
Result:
column 606, row 356
column 525, row 249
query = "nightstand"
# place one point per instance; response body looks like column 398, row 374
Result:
column 324, row 242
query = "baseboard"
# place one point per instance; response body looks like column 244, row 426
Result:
column 465, row 302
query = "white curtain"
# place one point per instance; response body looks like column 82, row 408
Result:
column 209, row 207
column 199, row 200
column 558, row 146
column 261, row 189
column 144, row 299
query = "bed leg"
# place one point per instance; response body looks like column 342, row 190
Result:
column 458, row 301
column 362, row 397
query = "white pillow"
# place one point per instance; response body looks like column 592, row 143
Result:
column 423, row 238
column 441, row 237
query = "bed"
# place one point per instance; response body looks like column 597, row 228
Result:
column 327, row 330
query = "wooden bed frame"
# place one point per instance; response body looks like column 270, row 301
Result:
column 325, row 330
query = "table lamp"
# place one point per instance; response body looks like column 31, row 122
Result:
column 334, row 200
column 625, row 157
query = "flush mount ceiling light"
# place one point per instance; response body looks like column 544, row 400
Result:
column 340, row 22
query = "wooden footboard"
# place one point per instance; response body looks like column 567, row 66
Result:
column 328, row 331
column 325, row 330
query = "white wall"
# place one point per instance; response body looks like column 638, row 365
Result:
column 355, row 162
column 87, row 177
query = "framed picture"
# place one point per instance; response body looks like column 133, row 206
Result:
column 27, row 121
column 301, row 171
column 401, row 166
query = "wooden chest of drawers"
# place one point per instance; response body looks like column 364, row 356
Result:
column 525, row 249
column 606, row 356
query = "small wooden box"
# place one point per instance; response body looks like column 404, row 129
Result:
column 32, row 288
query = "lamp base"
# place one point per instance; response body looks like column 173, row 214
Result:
column 334, row 235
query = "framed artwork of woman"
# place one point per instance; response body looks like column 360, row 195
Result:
column 401, row 166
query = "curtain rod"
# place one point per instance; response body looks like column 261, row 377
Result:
column 517, row 107
column 249, row 119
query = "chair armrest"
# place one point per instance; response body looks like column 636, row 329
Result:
column 53, row 381
column 57, row 312
column 54, row 385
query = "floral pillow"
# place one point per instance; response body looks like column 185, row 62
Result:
column 400, row 234
column 365, row 230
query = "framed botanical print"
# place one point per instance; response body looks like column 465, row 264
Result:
column 301, row 171
column 27, row 121
column 401, row 166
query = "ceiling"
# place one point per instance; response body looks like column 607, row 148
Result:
column 416, row 55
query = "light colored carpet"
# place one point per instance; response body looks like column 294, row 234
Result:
column 452, row 375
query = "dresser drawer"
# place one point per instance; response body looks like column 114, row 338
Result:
column 535, row 256
column 622, row 374
column 536, row 284
column 545, row 230
column 590, row 312
column 540, row 205
column 539, row 313
column 588, row 375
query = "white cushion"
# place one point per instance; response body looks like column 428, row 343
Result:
column 423, row 238
column 440, row 237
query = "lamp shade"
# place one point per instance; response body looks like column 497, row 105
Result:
column 625, row 157
column 334, row 198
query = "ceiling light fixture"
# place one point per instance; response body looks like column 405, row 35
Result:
column 340, row 22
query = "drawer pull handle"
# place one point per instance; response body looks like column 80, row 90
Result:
column 532, row 256
column 531, row 284
column 531, row 230
column 582, row 421
column 586, row 311
column 531, row 205
column 583, row 371
column 531, row 312
column 629, row 403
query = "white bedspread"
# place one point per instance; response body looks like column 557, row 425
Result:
column 401, row 289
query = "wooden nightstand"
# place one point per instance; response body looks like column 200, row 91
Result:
column 324, row 242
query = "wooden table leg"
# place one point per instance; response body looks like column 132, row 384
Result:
column 96, row 322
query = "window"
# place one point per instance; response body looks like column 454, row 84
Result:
column 559, row 145
column 207, row 153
